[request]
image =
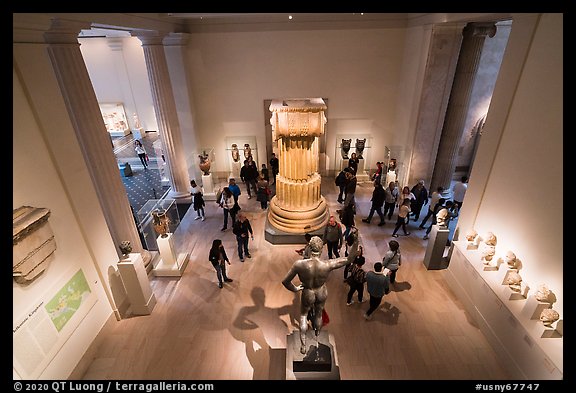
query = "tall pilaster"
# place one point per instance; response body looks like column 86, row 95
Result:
column 165, row 109
column 176, row 56
column 474, row 35
column 82, row 106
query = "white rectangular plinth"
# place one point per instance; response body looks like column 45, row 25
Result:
column 533, row 308
column 175, row 270
column 166, row 249
column 208, row 187
column 137, row 285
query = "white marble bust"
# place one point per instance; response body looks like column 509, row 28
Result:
column 490, row 239
column 514, row 281
column 488, row 253
column 543, row 293
column 511, row 260
column 471, row 235
column 549, row 316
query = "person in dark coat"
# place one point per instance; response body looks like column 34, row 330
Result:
column 421, row 194
column 249, row 174
column 218, row 258
column 378, row 196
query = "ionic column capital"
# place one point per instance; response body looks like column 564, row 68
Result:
column 480, row 29
column 149, row 37
column 64, row 31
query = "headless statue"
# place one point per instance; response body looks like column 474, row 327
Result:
column 313, row 273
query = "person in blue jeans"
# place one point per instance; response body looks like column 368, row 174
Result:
column 242, row 229
column 218, row 258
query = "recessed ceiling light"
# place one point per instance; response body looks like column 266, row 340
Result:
column 289, row 16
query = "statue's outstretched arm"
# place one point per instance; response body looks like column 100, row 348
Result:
column 352, row 253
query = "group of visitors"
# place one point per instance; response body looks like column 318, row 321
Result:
column 256, row 182
column 410, row 202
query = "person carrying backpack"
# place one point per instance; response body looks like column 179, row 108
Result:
column 392, row 260
column 356, row 279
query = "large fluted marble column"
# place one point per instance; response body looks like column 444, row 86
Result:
column 83, row 109
column 165, row 109
column 298, row 205
column 474, row 35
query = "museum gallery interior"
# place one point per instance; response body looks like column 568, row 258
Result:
column 104, row 289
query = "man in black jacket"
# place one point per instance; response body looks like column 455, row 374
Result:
column 242, row 229
column 378, row 196
column 249, row 173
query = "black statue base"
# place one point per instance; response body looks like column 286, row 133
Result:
column 320, row 360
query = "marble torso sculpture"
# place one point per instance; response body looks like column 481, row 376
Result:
column 136, row 121
column 313, row 274
column 298, row 205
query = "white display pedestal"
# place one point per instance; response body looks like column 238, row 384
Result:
column 556, row 330
column 235, row 170
column 119, row 132
column 138, row 133
column 526, row 348
column 513, row 295
column 434, row 257
column 390, row 177
column 533, row 308
column 208, row 188
column 362, row 175
column 491, row 265
column 170, row 264
column 135, row 280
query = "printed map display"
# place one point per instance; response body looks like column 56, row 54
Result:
column 67, row 300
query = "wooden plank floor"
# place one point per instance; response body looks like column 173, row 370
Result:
column 200, row 332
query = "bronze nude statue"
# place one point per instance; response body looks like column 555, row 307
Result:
column 313, row 273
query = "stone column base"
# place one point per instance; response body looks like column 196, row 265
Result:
column 304, row 220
